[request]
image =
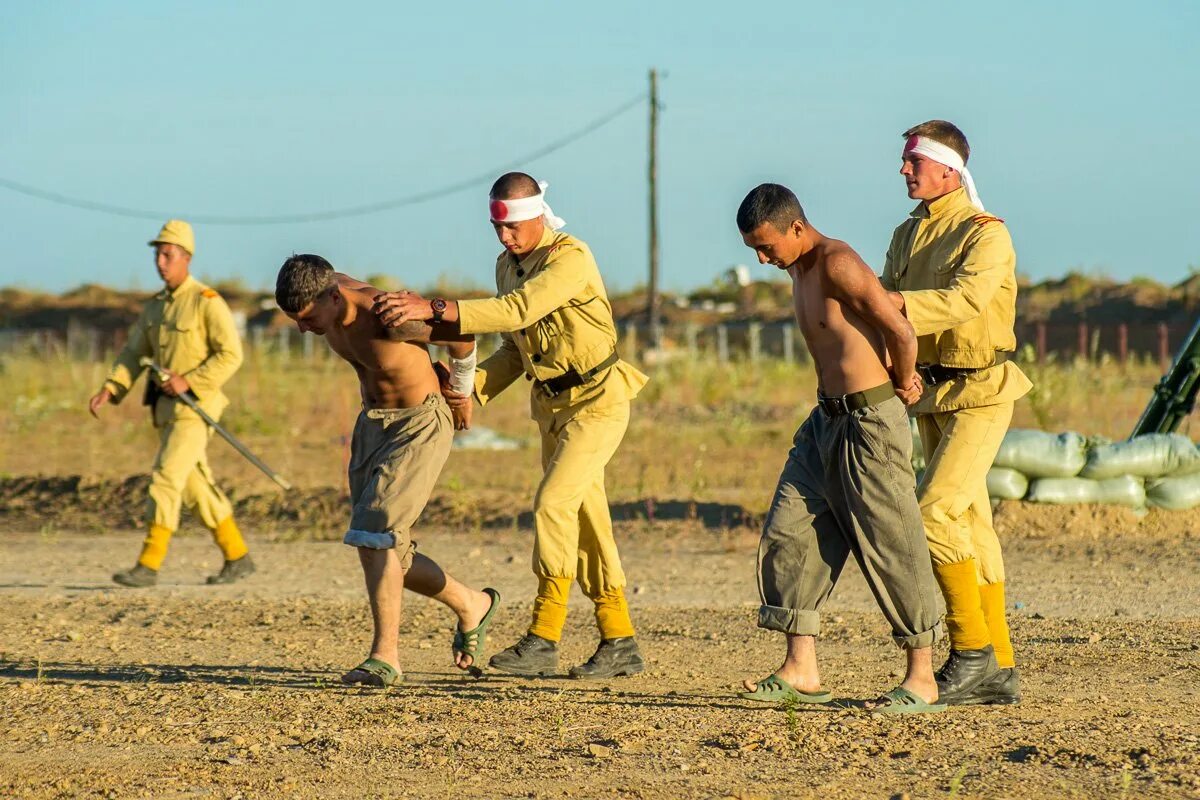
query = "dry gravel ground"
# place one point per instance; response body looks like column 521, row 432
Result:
column 189, row 691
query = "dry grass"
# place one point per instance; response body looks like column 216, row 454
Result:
column 700, row 431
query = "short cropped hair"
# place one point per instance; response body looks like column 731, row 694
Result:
column 943, row 132
column 512, row 185
column 301, row 280
column 769, row 202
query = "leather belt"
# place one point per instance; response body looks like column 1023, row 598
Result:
column 934, row 374
column 847, row 403
column 572, row 377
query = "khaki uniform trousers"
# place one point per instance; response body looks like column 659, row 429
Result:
column 960, row 447
column 182, row 478
column 574, row 533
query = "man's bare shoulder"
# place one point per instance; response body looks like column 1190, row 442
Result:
column 840, row 262
column 351, row 284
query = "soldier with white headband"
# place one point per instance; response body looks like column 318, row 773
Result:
column 951, row 268
column 557, row 330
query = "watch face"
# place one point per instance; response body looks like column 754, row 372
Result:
column 438, row 305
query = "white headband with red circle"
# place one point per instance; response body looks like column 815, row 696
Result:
column 936, row 151
column 520, row 209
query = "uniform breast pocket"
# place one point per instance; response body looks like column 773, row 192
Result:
column 945, row 265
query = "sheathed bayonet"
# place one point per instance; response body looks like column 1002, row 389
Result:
column 189, row 399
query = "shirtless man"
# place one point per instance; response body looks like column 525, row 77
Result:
column 401, row 441
column 848, row 485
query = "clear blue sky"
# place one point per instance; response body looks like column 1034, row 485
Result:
column 1083, row 118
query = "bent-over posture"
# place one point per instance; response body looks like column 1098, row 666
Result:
column 401, row 441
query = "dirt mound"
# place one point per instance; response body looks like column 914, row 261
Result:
column 80, row 502
column 1016, row 519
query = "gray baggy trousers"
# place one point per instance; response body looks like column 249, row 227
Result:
column 848, row 487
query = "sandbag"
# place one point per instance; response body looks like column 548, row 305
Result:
column 1006, row 484
column 1150, row 456
column 1176, row 494
column 1037, row 454
column 1123, row 491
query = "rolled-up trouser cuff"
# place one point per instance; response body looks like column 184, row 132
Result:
column 371, row 539
column 917, row 641
column 789, row 620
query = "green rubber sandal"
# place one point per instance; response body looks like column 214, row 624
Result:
column 902, row 701
column 376, row 673
column 776, row 690
column 471, row 643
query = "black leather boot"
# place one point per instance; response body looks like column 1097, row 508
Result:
column 233, row 571
column 612, row 658
column 532, row 656
column 1002, row 689
column 963, row 672
column 137, row 577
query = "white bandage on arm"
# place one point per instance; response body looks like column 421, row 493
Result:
column 462, row 373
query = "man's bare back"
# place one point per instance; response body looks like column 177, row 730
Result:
column 850, row 355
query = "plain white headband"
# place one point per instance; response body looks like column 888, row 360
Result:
column 936, row 151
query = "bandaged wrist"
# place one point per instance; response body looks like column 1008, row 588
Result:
column 462, row 373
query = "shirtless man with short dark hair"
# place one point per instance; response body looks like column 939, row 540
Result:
column 848, row 485
column 401, row 441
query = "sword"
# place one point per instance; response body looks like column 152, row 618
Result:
column 190, row 399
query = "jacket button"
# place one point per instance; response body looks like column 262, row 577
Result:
column 520, row 273
column 528, row 377
column 536, row 359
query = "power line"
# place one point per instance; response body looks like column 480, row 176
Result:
column 351, row 211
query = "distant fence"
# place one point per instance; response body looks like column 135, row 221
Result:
column 726, row 342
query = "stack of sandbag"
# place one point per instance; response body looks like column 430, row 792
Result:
column 1158, row 469
column 1169, row 463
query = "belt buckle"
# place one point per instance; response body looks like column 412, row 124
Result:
column 834, row 406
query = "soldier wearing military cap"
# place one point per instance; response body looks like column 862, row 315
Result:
column 187, row 329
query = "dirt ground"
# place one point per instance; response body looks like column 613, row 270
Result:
column 187, row 691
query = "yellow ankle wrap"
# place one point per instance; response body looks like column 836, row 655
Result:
column 229, row 539
column 992, row 595
column 612, row 615
column 964, row 609
column 154, row 547
column 550, row 608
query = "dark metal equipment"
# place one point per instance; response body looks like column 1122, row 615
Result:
column 1175, row 395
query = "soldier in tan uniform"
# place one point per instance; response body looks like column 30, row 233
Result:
column 951, row 268
column 558, row 332
column 187, row 329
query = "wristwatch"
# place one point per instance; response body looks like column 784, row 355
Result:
column 438, row 305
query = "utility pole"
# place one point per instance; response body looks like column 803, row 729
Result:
column 652, row 289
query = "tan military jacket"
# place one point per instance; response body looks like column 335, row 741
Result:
column 191, row 332
column 956, row 268
column 553, row 313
